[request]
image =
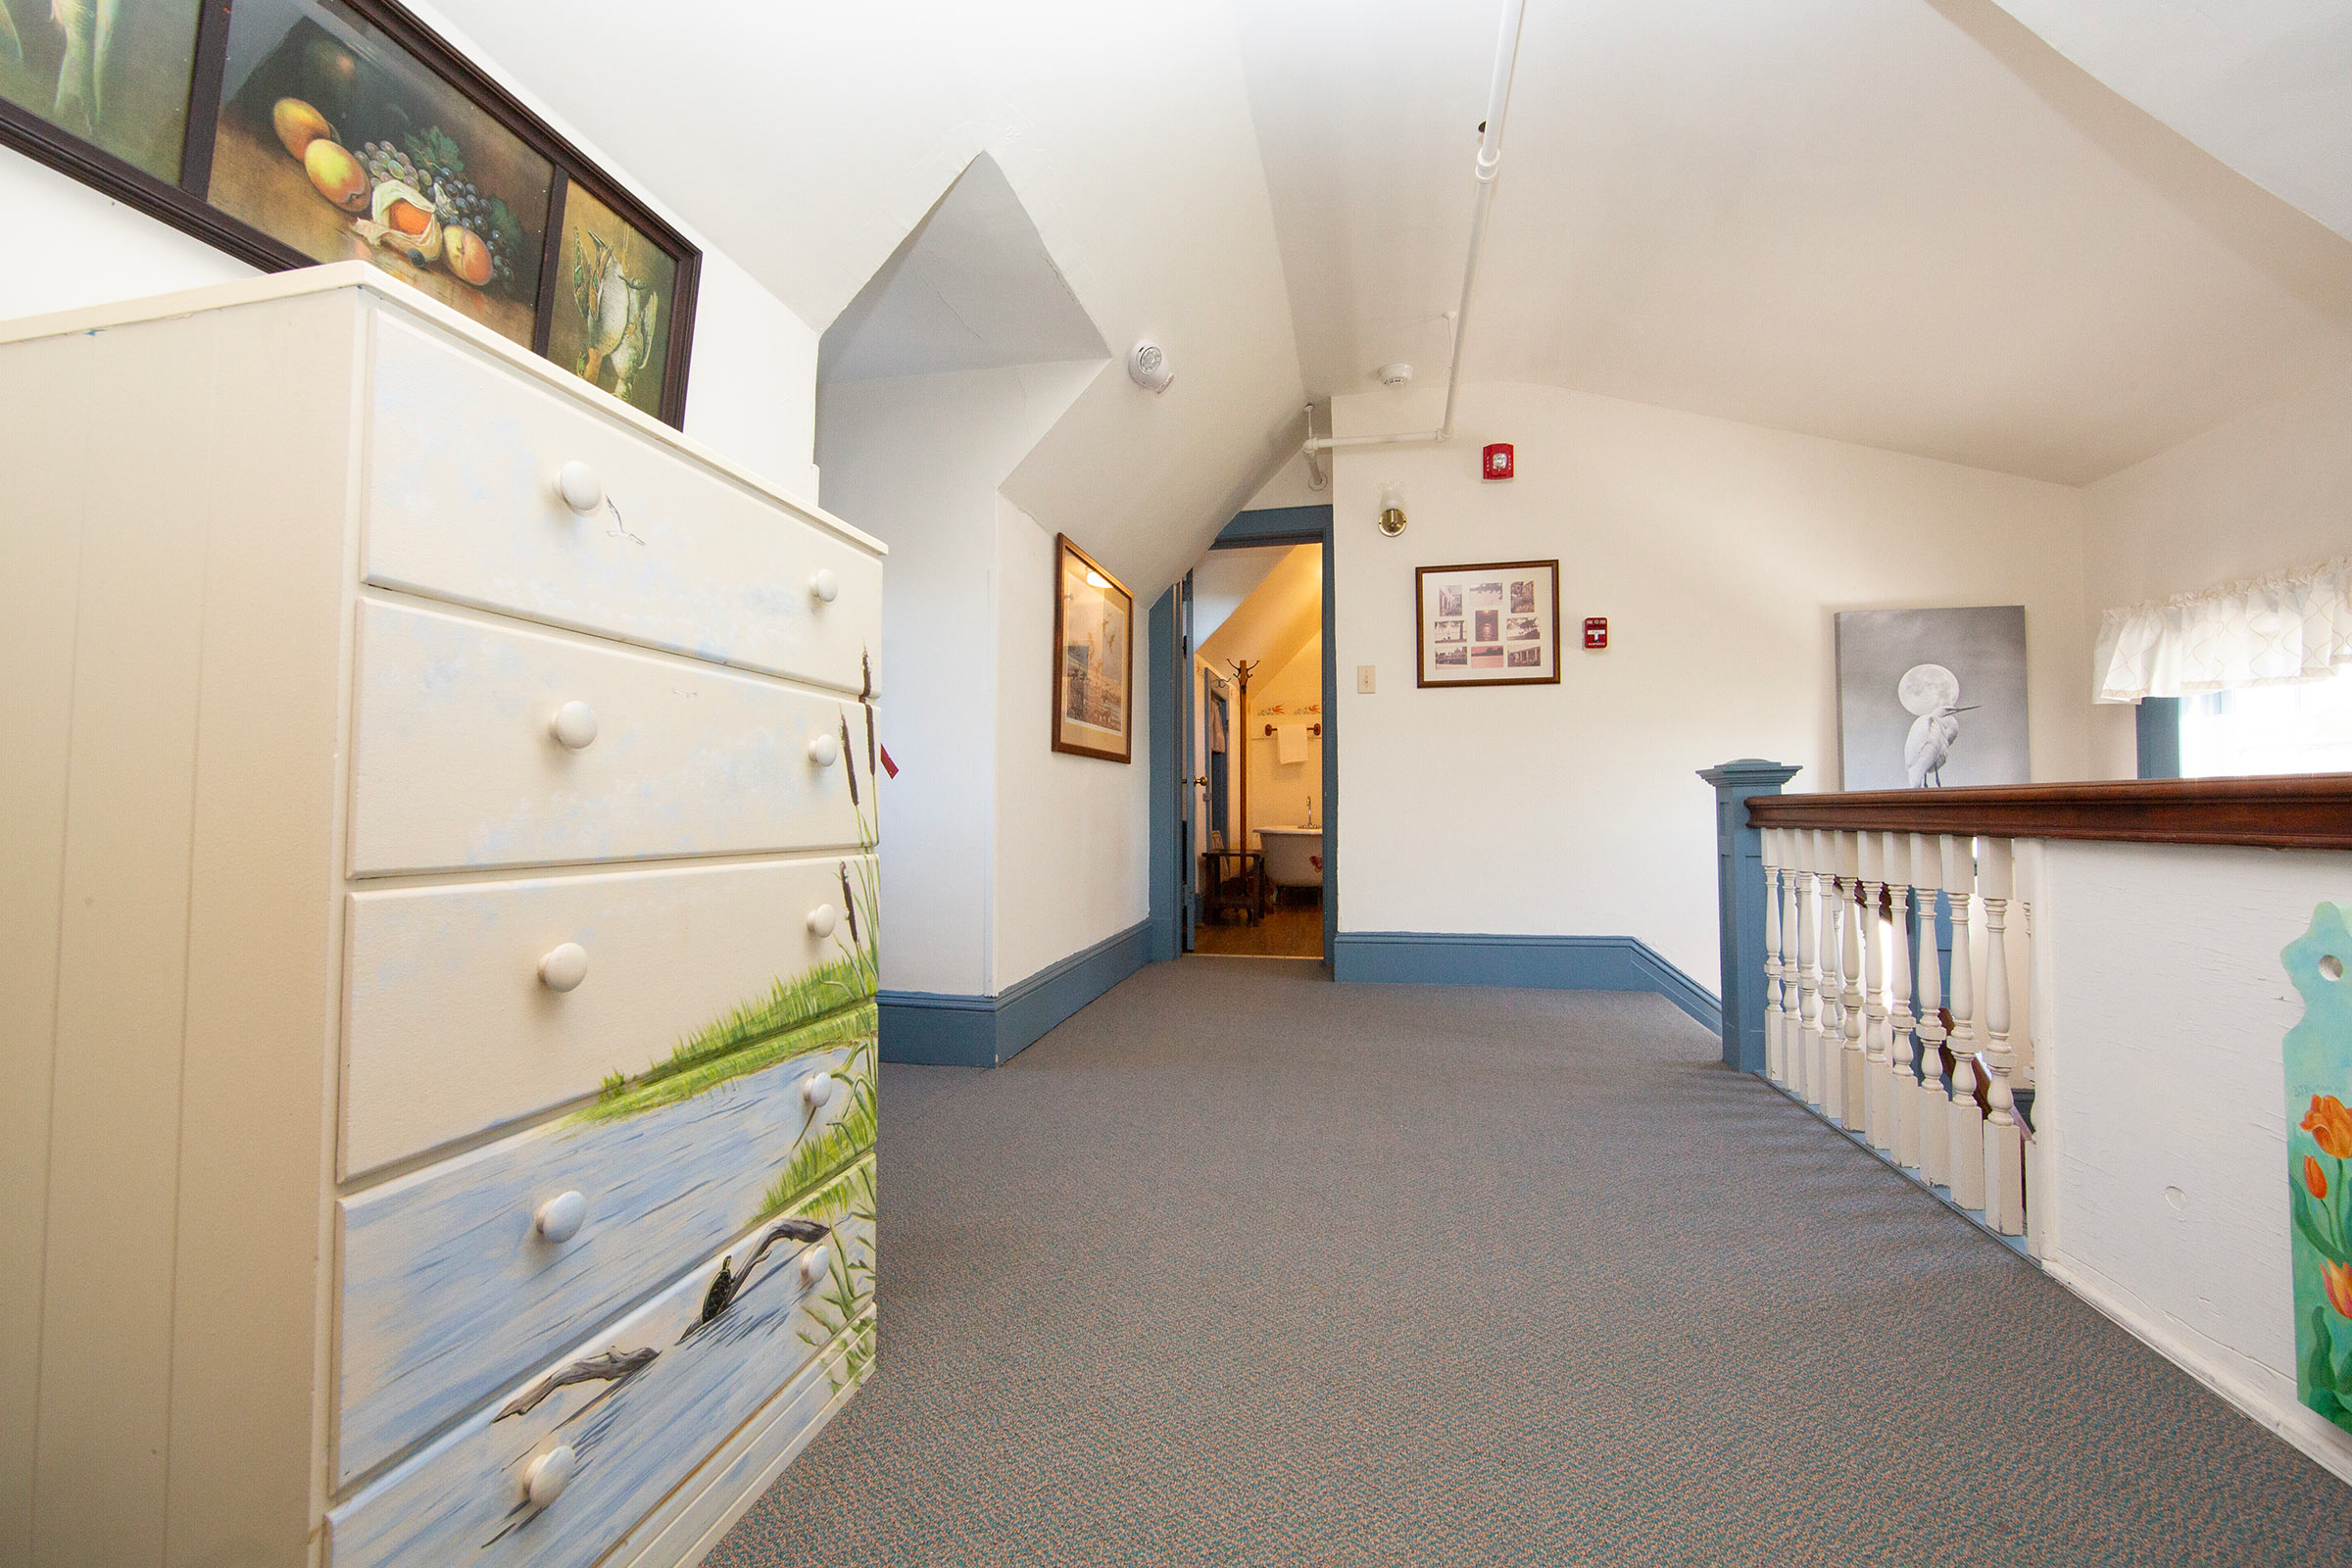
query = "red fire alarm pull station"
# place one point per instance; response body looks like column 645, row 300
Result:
column 1499, row 461
column 1597, row 631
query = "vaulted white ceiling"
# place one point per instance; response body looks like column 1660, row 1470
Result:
column 1904, row 223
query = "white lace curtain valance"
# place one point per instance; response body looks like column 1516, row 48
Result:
column 2294, row 625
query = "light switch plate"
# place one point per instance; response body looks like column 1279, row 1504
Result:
column 1363, row 678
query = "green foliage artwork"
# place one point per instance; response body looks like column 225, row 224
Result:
column 2319, row 1146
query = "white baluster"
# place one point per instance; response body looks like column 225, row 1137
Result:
column 1902, row 1089
column 1966, row 1130
column 2004, row 1149
column 1854, row 1067
column 1808, row 1068
column 1775, row 1060
column 1877, row 1124
column 1935, row 1123
column 1832, row 1082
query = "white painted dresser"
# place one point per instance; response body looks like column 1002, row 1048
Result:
column 436, row 948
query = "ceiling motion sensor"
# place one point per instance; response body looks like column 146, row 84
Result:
column 1394, row 374
column 1147, row 365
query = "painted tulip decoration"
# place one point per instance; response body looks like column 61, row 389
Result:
column 2323, row 1222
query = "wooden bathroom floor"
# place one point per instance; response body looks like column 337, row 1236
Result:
column 1291, row 929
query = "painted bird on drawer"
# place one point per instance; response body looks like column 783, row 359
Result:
column 726, row 1284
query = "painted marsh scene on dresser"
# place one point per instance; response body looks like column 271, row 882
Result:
column 113, row 73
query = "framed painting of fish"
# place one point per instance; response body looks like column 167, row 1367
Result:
column 292, row 132
column 615, row 295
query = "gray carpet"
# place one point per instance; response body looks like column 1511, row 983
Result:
column 1240, row 1267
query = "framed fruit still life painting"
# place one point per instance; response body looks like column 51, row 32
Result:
column 289, row 132
column 1093, row 657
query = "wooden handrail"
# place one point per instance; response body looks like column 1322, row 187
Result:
column 2290, row 812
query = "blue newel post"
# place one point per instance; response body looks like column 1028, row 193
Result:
column 1739, row 885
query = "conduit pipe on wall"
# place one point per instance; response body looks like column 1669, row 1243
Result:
column 1490, row 162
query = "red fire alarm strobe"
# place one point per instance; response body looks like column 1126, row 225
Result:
column 1597, row 631
column 1497, row 464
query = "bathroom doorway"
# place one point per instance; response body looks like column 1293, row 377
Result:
column 1258, row 799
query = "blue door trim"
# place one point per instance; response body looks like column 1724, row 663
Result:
column 1299, row 525
column 1164, row 694
column 1275, row 526
column 938, row 1029
column 1536, row 962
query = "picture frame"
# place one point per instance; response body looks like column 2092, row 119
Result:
column 1931, row 698
column 402, row 87
column 1093, row 657
column 1488, row 624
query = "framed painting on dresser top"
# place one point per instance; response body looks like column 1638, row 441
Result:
column 289, row 132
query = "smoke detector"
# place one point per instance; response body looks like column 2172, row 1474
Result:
column 1147, row 365
column 1394, row 374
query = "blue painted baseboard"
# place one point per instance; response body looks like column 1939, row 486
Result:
column 950, row 1031
column 1543, row 963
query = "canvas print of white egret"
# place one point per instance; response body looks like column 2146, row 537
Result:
column 615, row 291
column 1930, row 698
column 113, row 73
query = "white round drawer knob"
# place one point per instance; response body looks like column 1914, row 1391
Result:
column 815, row 1264
column 822, row 920
column 583, row 492
column 817, row 1088
column 574, row 724
column 824, row 750
column 544, row 1481
column 563, row 968
column 561, row 1217
column 824, row 587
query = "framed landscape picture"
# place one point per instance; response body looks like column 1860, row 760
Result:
column 1496, row 624
column 1093, row 657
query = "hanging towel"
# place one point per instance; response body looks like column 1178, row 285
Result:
column 1217, row 727
column 1290, row 742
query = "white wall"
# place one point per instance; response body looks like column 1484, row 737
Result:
column 915, row 460
column 2162, row 1074
column 1072, row 850
column 1719, row 553
column 750, row 388
column 2269, row 490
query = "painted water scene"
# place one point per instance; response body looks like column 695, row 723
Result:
column 335, row 140
column 1931, row 698
column 113, row 73
column 737, row 1164
column 616, row 292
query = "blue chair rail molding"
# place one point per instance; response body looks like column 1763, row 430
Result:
column 938, row 1030
column 1739, row 902
column 1532, row 963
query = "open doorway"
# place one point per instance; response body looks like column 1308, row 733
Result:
column 1257, row 802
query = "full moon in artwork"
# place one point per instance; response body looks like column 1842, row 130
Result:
column 1924, row 688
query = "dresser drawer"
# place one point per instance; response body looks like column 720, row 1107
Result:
column 462, row 503
column 633, row 1435
column 457, row 763
column 449, row 1029
column 452, row 1288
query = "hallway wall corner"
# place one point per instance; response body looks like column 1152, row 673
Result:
column 1534, row 963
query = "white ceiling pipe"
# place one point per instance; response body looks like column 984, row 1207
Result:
column 1490, row 162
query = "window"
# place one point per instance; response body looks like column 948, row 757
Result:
column 2301, row 727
